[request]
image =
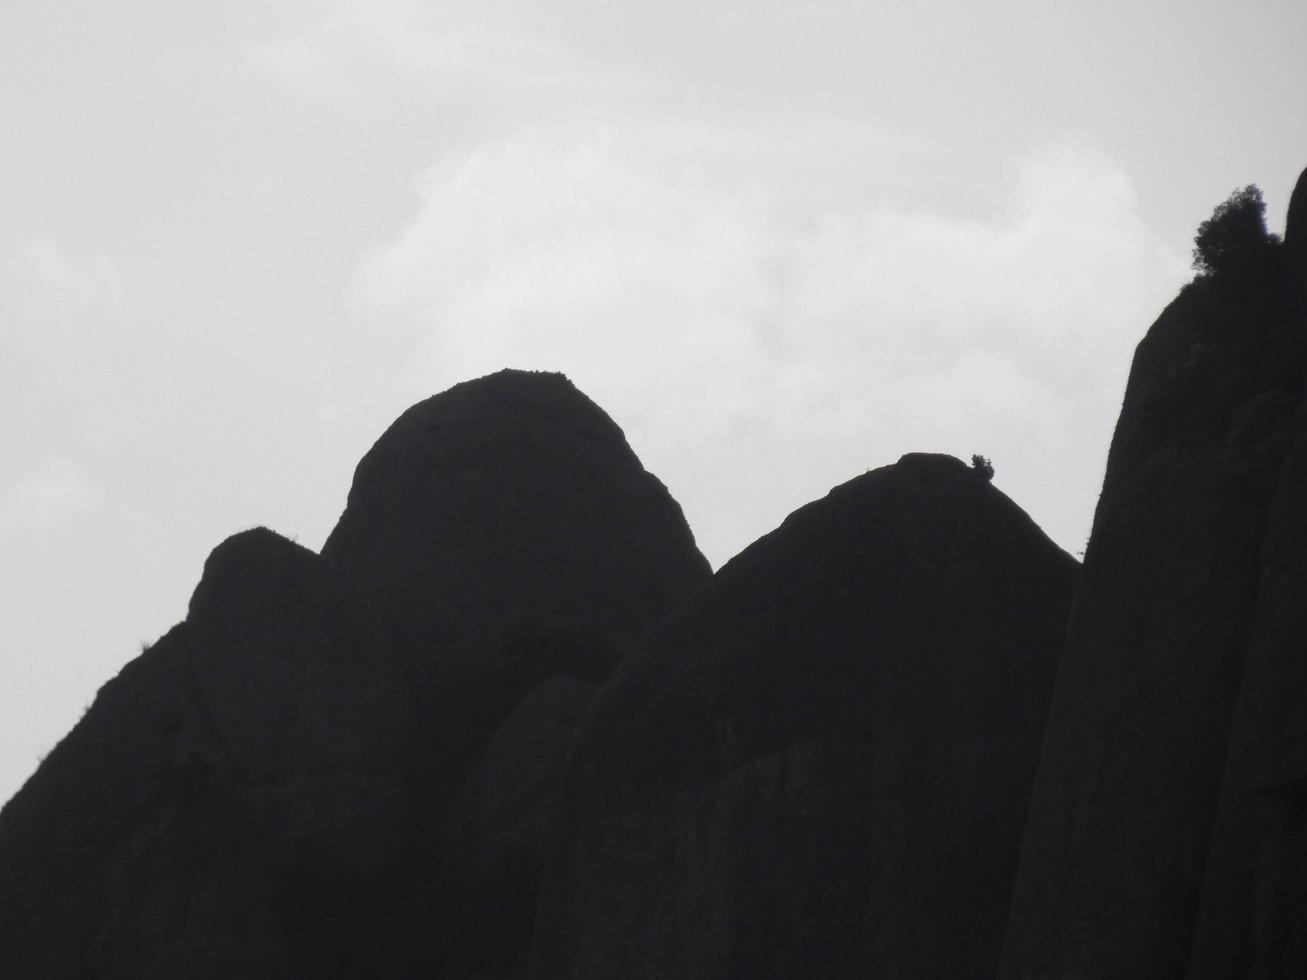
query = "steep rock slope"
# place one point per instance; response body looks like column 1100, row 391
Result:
column 504, row 530
column 1253, row 913
column 1131, row 776
column 344, row 766
column 820, row 765
column 514, row 549
column 1295, row 223
column 238, row 780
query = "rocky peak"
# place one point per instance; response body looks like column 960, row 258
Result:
column 1295, row 225
column 819, row 765
column 250, row 577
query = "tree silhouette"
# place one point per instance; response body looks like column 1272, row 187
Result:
column 1234, row 238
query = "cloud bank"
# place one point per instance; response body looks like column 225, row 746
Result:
column 48, row 498
column 748, row 334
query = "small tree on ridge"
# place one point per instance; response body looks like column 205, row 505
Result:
column 1233, row 238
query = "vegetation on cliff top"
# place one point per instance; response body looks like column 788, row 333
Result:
column 1234, row 238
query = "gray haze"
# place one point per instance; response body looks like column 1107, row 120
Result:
column 781, row 243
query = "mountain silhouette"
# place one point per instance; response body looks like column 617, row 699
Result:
column 1181, row 586
column 508, row 724
column 819, row 766
column 332, row 752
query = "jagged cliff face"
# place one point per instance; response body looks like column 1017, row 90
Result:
column 820, row 765
column 1188, row 577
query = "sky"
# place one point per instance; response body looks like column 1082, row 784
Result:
column 780, row 243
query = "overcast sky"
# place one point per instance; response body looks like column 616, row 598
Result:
column 780, row 243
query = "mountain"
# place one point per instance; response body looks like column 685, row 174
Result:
column 509, row 726
column 1177, row 648
column 513, row 550
column 819, row 766
column 242, row 776
column 332, row 753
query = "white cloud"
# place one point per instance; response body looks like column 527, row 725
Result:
column 758, row 352
column 47, row 498
column 55, row 282
column 342, row 49
column 64, row 313
column 86, row 278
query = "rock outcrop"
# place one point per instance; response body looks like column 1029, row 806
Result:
column 1252, row 917
column 504, row 532
column 1253, row 908
column 345, row 765
column 820, row 766
column 237, row 783
column 1295, row 224
column 508, row 724
column 1174, row 585
column 514, row 549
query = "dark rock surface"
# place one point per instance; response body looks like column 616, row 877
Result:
column 345, row 766
column 504, row 532
column 508, row 725
column 1253, row 911
column 515, row 550
column 508, row 509
column 1295, row 225
column 238, row 780
column 820, row 766
column 1135, row 756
